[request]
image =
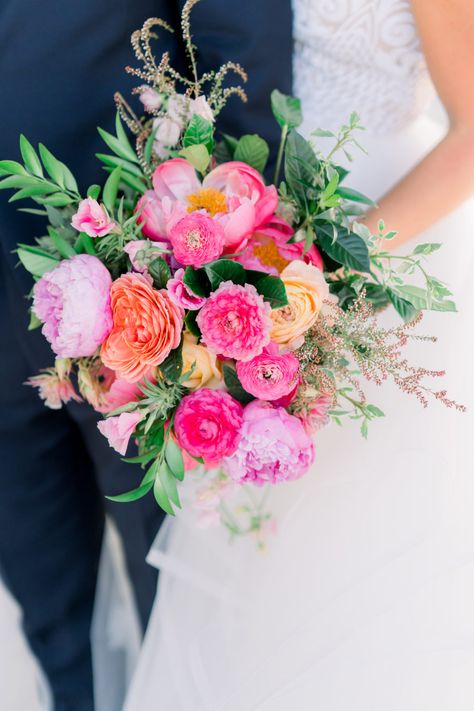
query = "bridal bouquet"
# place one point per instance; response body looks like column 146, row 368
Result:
column 214, row 319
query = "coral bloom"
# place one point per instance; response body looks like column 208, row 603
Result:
column 207, row 424
column 102, row 389
column 146, row 327
column 235, row 321
column 200, row 361
column 92, row 219
column 233, row 194
column 196, row 240
column 53, row 389
column 306, row 290
column 270, row 375
column 274, row 447
column 181, row 295
column 118, row 430
column 73, row 301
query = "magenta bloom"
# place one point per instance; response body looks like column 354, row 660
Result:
column 207, row 424
column 181, row 295
column 73, row 301
column 118, row 430
column 274, row 447
column 235, row 321
column 270, row 375
column 196, row 239
column 92, row 219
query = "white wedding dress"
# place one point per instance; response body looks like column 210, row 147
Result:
column 364, row 600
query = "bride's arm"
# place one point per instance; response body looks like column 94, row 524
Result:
column 445, row 178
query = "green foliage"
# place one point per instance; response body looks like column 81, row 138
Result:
column 197, row 155
column 224, row 270
column 286, row 109
column 35, row 260
column 301, row 168
column 172, row 367
column 160, row 272
column 191, row 324
column 199, row 131
column 344, row 247
column 234, row 386
column 197, row 281
column 253, row 150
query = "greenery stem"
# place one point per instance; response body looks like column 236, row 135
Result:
column 281, row 147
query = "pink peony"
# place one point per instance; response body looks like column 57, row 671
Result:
column 233, row 194
column 92, row 219
column 73, row 301
column 118, row 430
column 196, row 240
column 181, row 295
column 207, row 424
column 235, row 321
column 270, row 375
column 151, row 216
column 274, row 447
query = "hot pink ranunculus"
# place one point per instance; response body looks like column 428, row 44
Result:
column 233, row 194
column 92, row 219
column 119, row 429
column 207, row 424
column 181, row 295
column 73, row 301
column 196, row 239
column 274, row 447
column 270, row 375
column 235, row 321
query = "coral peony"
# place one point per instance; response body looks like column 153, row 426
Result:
column 306, row 290
column 270, row 375
column 181, row 295
column 146, row 327
column 207, row 424
column 235, row 321
column 118, row 430
column 92, row 219
column 274, row 447
column 198, row 359
column 196, row 240
column 73, row 301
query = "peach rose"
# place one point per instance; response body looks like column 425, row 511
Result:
column 205, row 363
column 306, row 289
column 147, row 326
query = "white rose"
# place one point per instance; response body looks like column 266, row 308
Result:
column 168, row 131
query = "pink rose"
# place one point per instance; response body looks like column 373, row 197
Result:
column 151, row 217
column 196, row 240
column 207, row 424
column 270, row 375
column 118, row 430
column 235, row 321
column 181, row 295
column 73, row 301
column 150, row 99
column 274, row 447
column 92, row 219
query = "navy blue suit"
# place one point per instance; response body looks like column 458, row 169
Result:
column 60, row 63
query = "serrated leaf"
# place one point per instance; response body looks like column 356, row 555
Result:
column 253, row 150
column 273, row 290
column 286, row 109
column 234, row 386
column 109, row 193
column 197, row 155
column 160, row 272
column 199, row 131
column 161, row 497
column 30, row 157
column 36, row 261
column 348, row 249
column 224, row 270
column 197, row 281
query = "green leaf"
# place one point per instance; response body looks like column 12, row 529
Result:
column 85, row 243
column 30, row 157
column 53, row 166
column 143, row 458
column 11, row 166
column 301, row 167
column 322, row 133
column 427, row 248
column 109, row 193
column 56, row 200
column 375, row 411
column 349, row 249
column 147, row 153
column 191, row 325
column 125, row 152
column 169, row 484
column 160, row 272
column 64, row 248
column 121, row 134
column 93, row 191
column 27, row 181
column 35, row 260
column 197, row 281
column 354, row 196
column 197, row 155
column 422, row 301
column 234, row 386
column 253, row 150
column 174, row 459
column 286, row 109
column 132, row 495
column 126, row 165
column 199, row 131
column 273, row 290
column 224, row 270
column 405, row 308
column 161, row 497
column 172, row 366
column 133, row 182
column 34, row 321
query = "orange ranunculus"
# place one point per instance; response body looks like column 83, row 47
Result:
column 147, row 326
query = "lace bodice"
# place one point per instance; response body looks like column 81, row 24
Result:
column 359, row 55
